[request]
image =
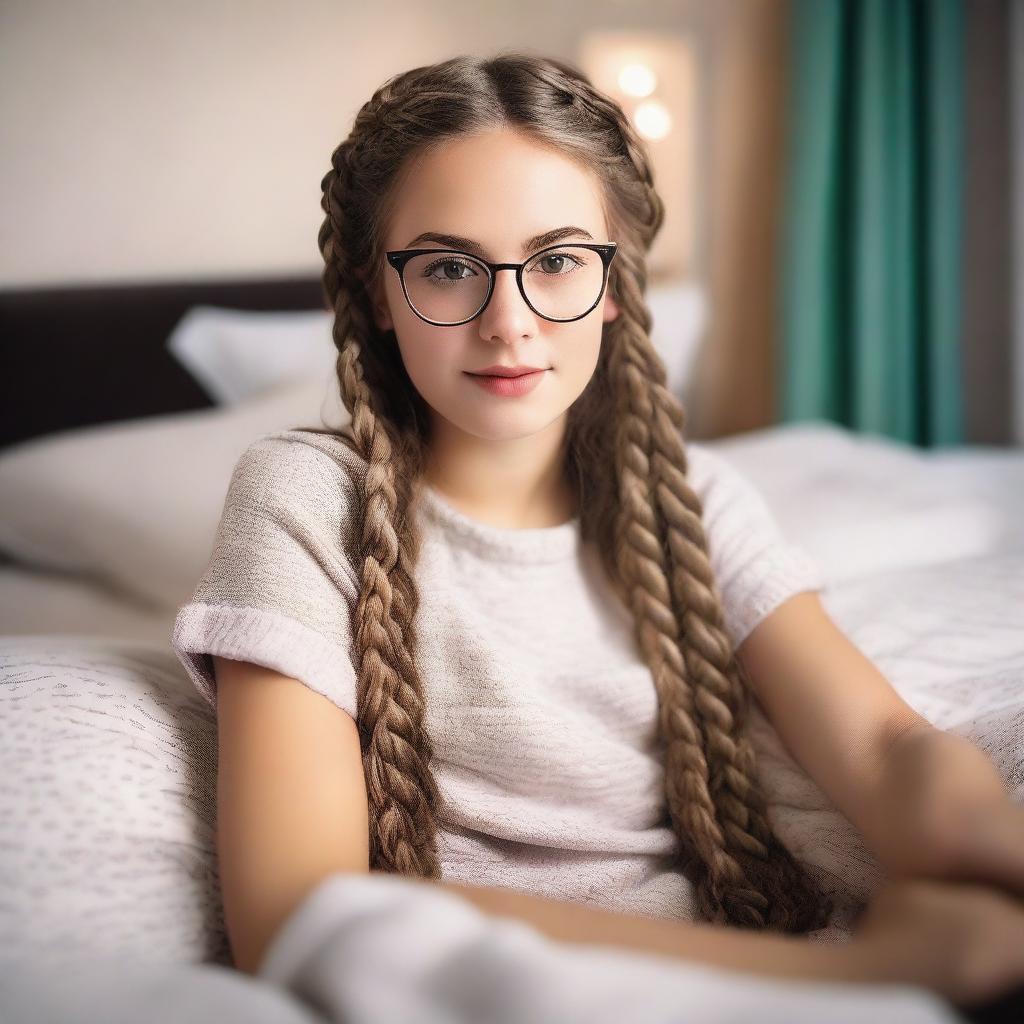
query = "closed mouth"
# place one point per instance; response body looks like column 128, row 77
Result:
column 539, row 369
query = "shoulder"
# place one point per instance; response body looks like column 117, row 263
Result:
column 733, row 508
column 298, row 468
column 714, row 477
column 756, row 566
column 294, row 487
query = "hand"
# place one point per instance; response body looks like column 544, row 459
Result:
column 959, row 939
column 945, row 814
column 986, row 844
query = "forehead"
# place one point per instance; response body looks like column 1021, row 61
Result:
column 497, row 188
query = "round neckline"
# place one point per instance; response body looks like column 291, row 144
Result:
column 532, row 545
column 503, row 543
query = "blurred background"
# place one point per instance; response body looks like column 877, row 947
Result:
column 844, row 185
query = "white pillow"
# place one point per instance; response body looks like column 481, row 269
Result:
column 679, row 319
column 234, row 353
column 108, row 755
column 136, row 503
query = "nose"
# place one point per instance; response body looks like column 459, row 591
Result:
column 507, row 316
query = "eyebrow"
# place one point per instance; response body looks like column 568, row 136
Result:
column 536, row 242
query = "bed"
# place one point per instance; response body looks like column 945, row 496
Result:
column 124, row 409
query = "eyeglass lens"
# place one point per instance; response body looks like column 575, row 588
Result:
column 449, row 287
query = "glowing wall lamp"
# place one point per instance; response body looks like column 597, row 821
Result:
column 652, row 119
column 654, row 78
column 637, row 80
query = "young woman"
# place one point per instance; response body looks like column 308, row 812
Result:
column 537, row 612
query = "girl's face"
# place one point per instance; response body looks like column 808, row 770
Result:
column 497, row 190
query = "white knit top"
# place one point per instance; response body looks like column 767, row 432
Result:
column 541, row 712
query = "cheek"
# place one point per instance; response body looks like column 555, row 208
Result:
column 578, row 361
column 430, row 359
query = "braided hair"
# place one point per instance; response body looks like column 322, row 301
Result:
column 644, row 517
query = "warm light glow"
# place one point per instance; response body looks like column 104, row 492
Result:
column 655, row 75
column 652, row 119
column 637, row 80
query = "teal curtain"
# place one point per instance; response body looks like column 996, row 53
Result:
column 872, row 213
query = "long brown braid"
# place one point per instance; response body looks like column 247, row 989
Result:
column 645, row 518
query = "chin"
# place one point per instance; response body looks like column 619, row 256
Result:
column 503, row 426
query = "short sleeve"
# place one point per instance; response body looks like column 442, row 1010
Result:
column 756, row 567
column 280, row 588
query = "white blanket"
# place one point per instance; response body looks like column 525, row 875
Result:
column 367, row 949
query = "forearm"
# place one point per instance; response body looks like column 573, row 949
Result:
column 932, row 785
column 771, row 954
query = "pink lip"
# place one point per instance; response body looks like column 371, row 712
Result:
column 510, row 386
column 505, row 371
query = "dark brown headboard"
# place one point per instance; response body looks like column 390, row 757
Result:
column 76, row 356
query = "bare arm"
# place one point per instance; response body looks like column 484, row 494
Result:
column 291, row 800
column 914, row 791
column 833, row 709
column 774, row 955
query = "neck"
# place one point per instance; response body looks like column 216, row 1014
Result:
column 516, row 483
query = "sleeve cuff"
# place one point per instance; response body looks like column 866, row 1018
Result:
column 265, row 638
column 787, row 570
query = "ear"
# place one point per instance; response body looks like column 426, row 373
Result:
column 381, row 308
column 611, row 308
column 382, row 315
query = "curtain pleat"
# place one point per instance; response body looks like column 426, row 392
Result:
column 870, row 282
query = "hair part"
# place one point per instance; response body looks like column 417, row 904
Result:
column 645, row 518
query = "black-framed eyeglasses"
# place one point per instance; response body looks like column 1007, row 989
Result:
column 569, row 292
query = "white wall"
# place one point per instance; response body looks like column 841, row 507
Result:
column 149, row 140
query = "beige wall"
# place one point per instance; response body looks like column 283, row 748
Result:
column 734, row 386
column 144, row 140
